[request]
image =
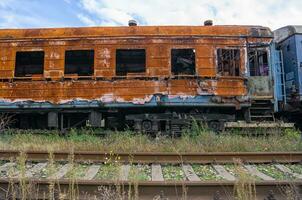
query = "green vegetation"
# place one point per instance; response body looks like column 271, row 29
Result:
column 244, row 188
column 238, row 170
column 297, row 168
column 140, row 173
column 206, row 172
column 77, row 172
column 195, row 140
column 173, row 173
column 273, row 172
column 232, row 169
column 199, row 139
column 108, row 172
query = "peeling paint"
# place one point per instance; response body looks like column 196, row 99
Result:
column 52, row 86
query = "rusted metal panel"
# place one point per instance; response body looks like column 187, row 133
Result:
column 260, row 87
column 136, row 31
column 158, row 42
column 119, row 90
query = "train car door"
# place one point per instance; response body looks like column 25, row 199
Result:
column 260, row 82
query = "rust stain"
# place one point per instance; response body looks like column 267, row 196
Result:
column 122, row 90
column 133, row 31
column 158, row 42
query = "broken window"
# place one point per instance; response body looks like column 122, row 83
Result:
column 79, row 62
column 228, row 62
column 183, row 61
column 258, row 63
column 130, row 61
column 29, row 63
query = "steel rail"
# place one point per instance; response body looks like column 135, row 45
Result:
column 150, row 189
column 156, row 157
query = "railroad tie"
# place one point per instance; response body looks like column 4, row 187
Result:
column 254, row 171
column 157, row 174
column 124, row 172
column 286, row 170
column 91, row 172
column 35, row 169
column 189, row 172
column 224, row 173
column 62, row 171
column 7, row 166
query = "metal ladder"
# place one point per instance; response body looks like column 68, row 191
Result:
column 280, row 73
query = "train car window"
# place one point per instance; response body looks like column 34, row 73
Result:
column 80, row 62
column 130, row 61
column 183, row 61
column 258, row 63
column 228, row 61
column 29, row 63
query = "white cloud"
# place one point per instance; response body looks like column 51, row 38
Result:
column 86, row 20
column 272, row 13
column 28, row 13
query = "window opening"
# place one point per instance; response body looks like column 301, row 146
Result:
column 183, row 61
column 80, row 62
column 130, row 61
column 258, row 63
column 228, row 62
column 29, row 63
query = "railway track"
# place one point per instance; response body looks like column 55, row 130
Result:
column 159, row 157
column 88, row 175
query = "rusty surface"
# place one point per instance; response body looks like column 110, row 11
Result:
column 158, row 42
column 148, row 190
column 205, row 158
column 136, row 31
column 137, row 91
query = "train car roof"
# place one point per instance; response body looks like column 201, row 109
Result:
column 135, row 31
column 283, row 33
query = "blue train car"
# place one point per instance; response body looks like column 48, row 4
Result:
column 288, row 40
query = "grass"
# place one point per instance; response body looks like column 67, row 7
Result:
column 238, row 170
column 173, row 173
column 244, row 188
column 297, row 168
column 108, row 172
column 273, row 172
column 196, row 140
column 78, row 171
column 140, row 173
column 206, row 172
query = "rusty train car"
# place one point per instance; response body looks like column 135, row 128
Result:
column 150, row 78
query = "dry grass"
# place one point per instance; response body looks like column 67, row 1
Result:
column 245, row 188
column 197, row 140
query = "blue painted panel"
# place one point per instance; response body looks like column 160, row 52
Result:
column 298, row 41
column 275, row 68
column 201, row 100
column 288, row 48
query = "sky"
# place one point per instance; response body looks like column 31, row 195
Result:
column 75, row 13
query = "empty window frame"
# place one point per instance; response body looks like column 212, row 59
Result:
column 258, row 63
column 183, row 61
column 130, row 61
column 228, row 61
column 80, row 62
column 29, row 63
